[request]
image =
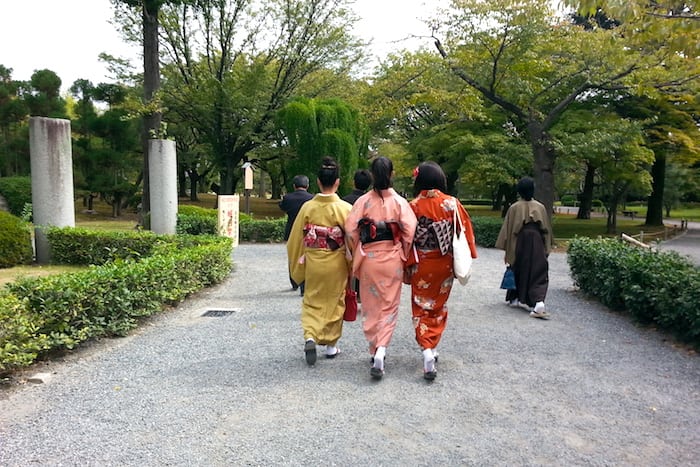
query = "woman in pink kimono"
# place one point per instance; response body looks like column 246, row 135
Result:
column 380, row 231
column 317, row 241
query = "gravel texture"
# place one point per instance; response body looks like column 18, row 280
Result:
column 587, row 387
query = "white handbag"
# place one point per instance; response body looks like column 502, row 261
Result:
column 461, row 254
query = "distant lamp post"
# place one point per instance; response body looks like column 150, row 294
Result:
column 247, row 184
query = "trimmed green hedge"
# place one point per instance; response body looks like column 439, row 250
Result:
column 486, row 230
column 84, row 246
column 17, row 191
column 195, row 220
column 15, row 241
column 267, row 230
column 61, row 311
column 654, row 287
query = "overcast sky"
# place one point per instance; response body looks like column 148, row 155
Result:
column 67, row 36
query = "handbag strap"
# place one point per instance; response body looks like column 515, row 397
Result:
column 456, row 217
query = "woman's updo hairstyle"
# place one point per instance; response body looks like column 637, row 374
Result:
column 329, row 172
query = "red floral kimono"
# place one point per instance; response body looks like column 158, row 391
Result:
column 430, row 265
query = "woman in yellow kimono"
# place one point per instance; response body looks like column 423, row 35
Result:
column 430, row 269
column 317, row 242
column 380, row 231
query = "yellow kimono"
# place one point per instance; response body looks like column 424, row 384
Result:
column 318, row 257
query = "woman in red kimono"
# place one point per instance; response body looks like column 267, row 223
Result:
column 429, row 269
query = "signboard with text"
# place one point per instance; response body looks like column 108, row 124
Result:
column 228, row 217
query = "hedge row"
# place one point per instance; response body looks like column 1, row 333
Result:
column 42, row 314
column 15, row 241
column 660, row 288
column 17, row 191
column 196, row 220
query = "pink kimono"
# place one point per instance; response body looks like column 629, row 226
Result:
column 389, row 226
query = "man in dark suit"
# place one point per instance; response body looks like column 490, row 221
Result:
column 291, row 204
column 361, row 180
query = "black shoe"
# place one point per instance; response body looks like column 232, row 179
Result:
column 376, row 373
column 310, row 352
column 430, row 375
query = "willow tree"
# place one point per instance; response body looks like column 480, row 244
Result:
column 317, row 128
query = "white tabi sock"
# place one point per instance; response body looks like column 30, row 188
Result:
column 428, row 360
column 379, row 358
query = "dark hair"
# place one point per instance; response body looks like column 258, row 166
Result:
column 329, row 172
column 362, row 179
column 300, row 181
column 526, row 188
column 430, row 176
column 382, row 168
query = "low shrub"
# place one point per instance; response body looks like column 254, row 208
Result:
column 196, row 220
column 84, row 246
column 486, row 230
column 20, row 339
column 108, row 300
column 568, row 200
column 15, row 241
column 17, row 191
column 267, row 230
column 654, row 287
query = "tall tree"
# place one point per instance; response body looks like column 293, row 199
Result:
column 234, row 63
column 318, row 128
column 521, row 57
column 671, row 132
column 13, row 111
column 152, row 114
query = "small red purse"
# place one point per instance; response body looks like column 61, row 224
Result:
column 350, row 305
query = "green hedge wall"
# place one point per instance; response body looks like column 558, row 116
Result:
column 61, row 311
column 660, row 288
column 15, row 241
column 486, row 230
column 17, row 191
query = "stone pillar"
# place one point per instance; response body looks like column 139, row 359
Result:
column 162, row 167
column 51, row 160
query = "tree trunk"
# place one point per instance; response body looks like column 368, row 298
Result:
column 182, row 183
column 151, row 84
column 543, row 165
column 194, row 184
column 655, row 203
column 611, row 224
column 584, row 210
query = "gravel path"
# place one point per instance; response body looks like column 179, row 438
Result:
column 585, row 388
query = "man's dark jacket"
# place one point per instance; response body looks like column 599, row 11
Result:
column 291, row 203
column 352, row 197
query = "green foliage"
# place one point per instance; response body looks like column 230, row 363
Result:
column 654, row 287
column 195, row 220
column 61, row 311
column 17, row 191
column 268, row 230
column 486, row 230
column 20, row 342
column 15, row 241
column 318, row 128
column 568, row 200
column 71, row 245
